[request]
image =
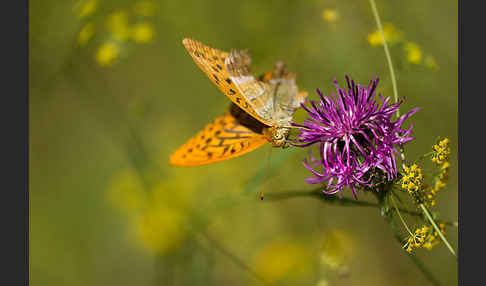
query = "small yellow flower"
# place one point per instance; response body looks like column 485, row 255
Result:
column 279, row 259
column 86, row 33
column 160, row 229
column 405, row 179
column 330, row 15
column 87, row 8
column 107, row 54
column 392, row 35
column 126, row 192
column 117, row 23
column 441, row 152
column 337, row 249
column 143, row 33
column 414, row 54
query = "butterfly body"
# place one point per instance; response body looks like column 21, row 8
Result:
column 261, row 111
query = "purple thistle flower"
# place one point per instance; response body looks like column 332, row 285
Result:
column 355, row 134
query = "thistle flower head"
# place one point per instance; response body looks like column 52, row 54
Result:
column 356, row 136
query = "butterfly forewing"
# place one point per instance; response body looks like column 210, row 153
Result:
column 222, row 139
column 213, row 63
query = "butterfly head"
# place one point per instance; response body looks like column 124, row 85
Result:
column 278, row 136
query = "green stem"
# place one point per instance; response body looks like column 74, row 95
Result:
column 330, row 199
column 396, row 233
column 387, row 52
column 236, row 260
column 429, row 217
column 400, row 216
column 333, row 200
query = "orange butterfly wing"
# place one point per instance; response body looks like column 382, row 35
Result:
column 222, row 139
column 212, row 63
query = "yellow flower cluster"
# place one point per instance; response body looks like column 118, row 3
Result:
column 393, row 36
column 281, row 259
column 441, row 151
column 120, row 27
column 423, row 237
column 157, row 214
column 441, row 181
column 433, row 238
column 440, row 156
column 107, row 54
column 412, row 180
column 330, row 15
column 417, row 239
column 414, row 54
column 338, row 247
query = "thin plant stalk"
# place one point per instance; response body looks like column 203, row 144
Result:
column 429, row 217
column 399, row 215
column 387, row 52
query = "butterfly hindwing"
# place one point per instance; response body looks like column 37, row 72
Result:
column 222, row 139
column 214, row 63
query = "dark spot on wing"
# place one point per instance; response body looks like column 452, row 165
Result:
column 228, row 81
column 225, row 149
column 243, row 118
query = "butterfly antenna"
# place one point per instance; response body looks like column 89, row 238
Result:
column 267, row 177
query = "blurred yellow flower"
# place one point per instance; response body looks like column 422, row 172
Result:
column 330, row 15
column 322, row 282
column 157, row 209
column 86, row 8
column 414, row 54
column 126, row 192
column 107, row 54
column 144, row 8
column 279, row 259
column 160, row 229
column 117, row 23
column 337, row 249
column 86, row 33
column 431, row 63
column 392, row 35
column 143, row 33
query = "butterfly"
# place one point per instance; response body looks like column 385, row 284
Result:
column 260, row 112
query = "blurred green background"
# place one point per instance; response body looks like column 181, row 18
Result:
column 113, row 93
